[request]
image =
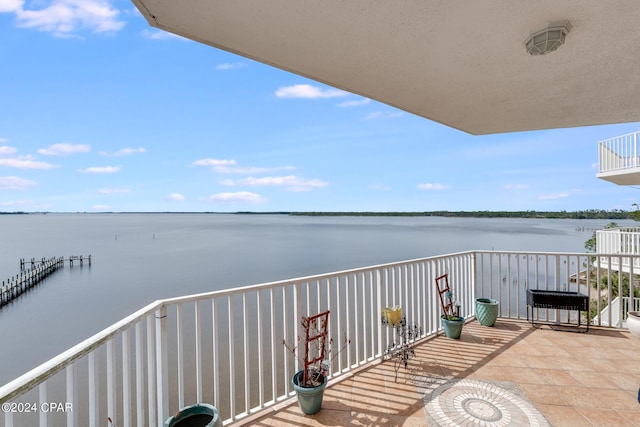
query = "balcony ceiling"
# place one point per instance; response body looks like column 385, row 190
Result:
column 462, row 64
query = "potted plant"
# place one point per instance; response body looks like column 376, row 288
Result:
column 452, row 321
column 312, row 352
column 201, row 414
column 487, row 311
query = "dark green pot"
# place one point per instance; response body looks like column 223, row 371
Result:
column 487, row 311
column 452, row 328
column 201, row 415
column 309, row 398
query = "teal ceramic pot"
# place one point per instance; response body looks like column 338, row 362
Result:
column 452, row 328
column 201, row 415
column 309, row 398
column 487, row 311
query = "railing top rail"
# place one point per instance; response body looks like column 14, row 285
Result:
column 284, row 282
column 52, row 366
column 620, row 230
column 535, row 253
column 605, row 141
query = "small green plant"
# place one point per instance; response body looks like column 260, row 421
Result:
column 454, row 313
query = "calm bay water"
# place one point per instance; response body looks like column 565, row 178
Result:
column 138, row 258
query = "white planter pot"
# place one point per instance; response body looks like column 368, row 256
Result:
column 633, row 323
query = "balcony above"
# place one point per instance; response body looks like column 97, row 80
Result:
column 619, row 160
column 463, row 64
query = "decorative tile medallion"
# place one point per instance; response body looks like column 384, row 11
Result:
column 479, row 403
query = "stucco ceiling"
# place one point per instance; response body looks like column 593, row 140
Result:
column 460, row 63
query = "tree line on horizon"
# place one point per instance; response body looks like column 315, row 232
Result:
column 583, row 214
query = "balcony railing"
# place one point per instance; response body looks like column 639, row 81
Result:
column 619, row 241
column 619, row 159
column 225, row 347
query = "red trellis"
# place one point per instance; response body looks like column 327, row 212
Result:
column 442, row 286
column 315, row 327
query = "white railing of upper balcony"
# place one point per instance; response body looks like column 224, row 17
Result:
column 619, row 241
column 225, row 348
column 619, row 153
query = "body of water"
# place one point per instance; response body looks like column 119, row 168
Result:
column 138, row 258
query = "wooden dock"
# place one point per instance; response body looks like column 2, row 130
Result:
column 33, row 272
column 81, row 259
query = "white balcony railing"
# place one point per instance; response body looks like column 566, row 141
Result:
column 225, row 347
column 618, row 153
column 619, row 241
column 619, row 159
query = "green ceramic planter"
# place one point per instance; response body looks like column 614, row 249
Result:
column 199, row 415
column 487, row 311
column 309, row 398
column 452, row 328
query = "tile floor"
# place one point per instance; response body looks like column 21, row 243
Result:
column 500, row 375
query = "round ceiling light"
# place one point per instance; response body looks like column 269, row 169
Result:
column 548, row 39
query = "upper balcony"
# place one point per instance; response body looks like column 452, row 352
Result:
column 619, row 160
column 621, row 241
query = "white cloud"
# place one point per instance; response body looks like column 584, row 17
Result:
column 25, row 204
column 64, row 148
column 155, row 34
column 374, row 115
column 291, row 182
column 553, row 196
column 175, row 196
column 363, row 101
column 4, row 150
column 123, row 152
column 231, row 66
column 240, row 196
column 245, row 170
column 100, row 169
column 227, row 182
column 13, row 202
column 64, row 18
column 114, row 190
column 229, row 167
column 99, row 207
column 10, row 5
column 15, row 183
column 381, row 115
column 516, row 186
column 213, row 162
column 26, row 164
column 308, row 91
column 431, row 186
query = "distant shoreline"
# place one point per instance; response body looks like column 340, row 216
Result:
column 586, row 214
column 590, row 214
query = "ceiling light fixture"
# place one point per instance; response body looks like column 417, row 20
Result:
column 547, row 40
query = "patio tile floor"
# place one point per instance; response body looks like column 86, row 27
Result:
column 508, row 374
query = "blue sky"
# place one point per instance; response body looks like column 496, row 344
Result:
column 101, row 112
